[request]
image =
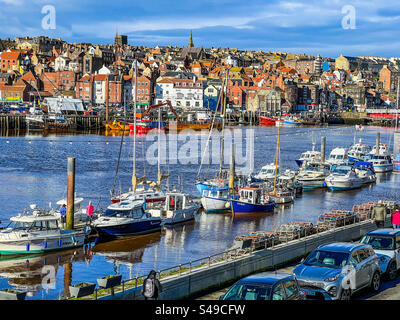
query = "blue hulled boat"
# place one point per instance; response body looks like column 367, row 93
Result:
column 126, row 218
column 251, row 201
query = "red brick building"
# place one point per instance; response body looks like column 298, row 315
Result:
column 10, row 61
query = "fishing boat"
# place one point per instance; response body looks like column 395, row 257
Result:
column 381, row 159
column 251, row 201
column 343, row 178
column 338, row 156
column 178, row 208
column 216, row 199
column 312, row 175
column 127, row 218
column 291, row 121
column 309, row 156
column 365, row 171
column 281, row 195
column 38, row 231
column 358, row 152
column 267, row 121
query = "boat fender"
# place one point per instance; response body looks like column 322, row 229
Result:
column 87, row 230
column 59, row 242
column 45, row 244
column 27, row 247
column 227, row 205
column 73, row 239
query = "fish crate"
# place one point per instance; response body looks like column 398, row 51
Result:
column 306, row 228
column 242, row 242
column 324, row 226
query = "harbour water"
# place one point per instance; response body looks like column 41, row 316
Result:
column 33, row 170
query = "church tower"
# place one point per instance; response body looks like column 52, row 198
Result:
column 191, row 45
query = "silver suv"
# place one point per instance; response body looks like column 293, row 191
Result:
column 340, row 269
column 386, row 244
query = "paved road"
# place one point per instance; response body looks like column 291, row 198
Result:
column 390, row 290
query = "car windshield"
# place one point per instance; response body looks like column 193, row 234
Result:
column 245, row 291
column 379, row 242
column 327, row 259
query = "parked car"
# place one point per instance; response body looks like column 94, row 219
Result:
column 266, row 286
column 340, row 269
column 386, row 244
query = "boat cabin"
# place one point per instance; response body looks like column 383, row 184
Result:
column 175, row 201
column 38, row 221
column 125, row 209
column 250, row 195
column 217, row 193
column 338, row 155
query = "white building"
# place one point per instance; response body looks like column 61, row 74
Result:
column 186, row 93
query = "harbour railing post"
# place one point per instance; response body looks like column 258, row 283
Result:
column 70, row 193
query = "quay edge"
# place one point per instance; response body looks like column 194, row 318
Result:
column 221, row 274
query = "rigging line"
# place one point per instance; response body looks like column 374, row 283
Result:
column 120, row 151
column 212, row 127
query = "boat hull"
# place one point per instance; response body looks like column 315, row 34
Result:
column 211, row 204
column 344, row 185
column 383, row 168
column 129, row 229
column 239, row 207
column 182, row 216
column 42, row 244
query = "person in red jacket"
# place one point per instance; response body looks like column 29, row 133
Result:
column 396, row 218
column 90, row 211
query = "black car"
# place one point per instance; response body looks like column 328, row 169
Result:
column 266, row 286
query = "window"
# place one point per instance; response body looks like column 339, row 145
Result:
column 291, row 288
column 248, row 292
column 354, row 259
column 278, row 293
column 363, row 254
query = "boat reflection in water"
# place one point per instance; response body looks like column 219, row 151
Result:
column 33, row 273
column 126, row 251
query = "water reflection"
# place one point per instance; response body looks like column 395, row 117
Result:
column 28, row 273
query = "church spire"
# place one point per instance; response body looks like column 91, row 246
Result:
column 191, row 45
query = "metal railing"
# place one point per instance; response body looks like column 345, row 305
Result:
column 236, row 253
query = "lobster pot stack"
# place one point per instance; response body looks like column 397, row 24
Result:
column 294, row 230
column 336, row 218
column 364, row 210
column 390, row 205
column 255, row 240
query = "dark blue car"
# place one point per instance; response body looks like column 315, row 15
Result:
column 266, row 286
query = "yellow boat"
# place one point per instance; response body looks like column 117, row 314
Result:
column 116, row 126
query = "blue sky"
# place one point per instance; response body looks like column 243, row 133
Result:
column 305, row 26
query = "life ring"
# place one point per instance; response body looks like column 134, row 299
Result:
column 220, row 183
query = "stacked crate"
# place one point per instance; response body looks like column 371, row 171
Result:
column 294, row 230
column 268, row 238
column 364, row 210
column 336, row 218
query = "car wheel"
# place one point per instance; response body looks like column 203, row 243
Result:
column 345, row 294
column 392, row 271
column 376, row 281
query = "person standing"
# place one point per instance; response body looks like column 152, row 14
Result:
column 379, row 214
column 396, row 218
column 151, row 287
column 63, row 213
column 90, row 211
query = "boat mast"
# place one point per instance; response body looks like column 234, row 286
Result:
column 223, row 126
column 134, row 179
column 277, row 158
column 397, row 102
column 159, row 148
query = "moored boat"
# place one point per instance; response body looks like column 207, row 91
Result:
column 178, row 208
column 251, row 201
column 216, row 199
column 343, row 178
column 365, row 171
column 126, row 218
column 38, row 231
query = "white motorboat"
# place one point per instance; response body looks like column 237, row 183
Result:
column 358, row 152
column 267, row 172
column 178, row 208
column 309, row 156
column 365, row 171
column 338, row 156
column 381, row 160
column 343, row 178
column 126, row 218
column 313, row 174
column 216, row 199
column 37, row 231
